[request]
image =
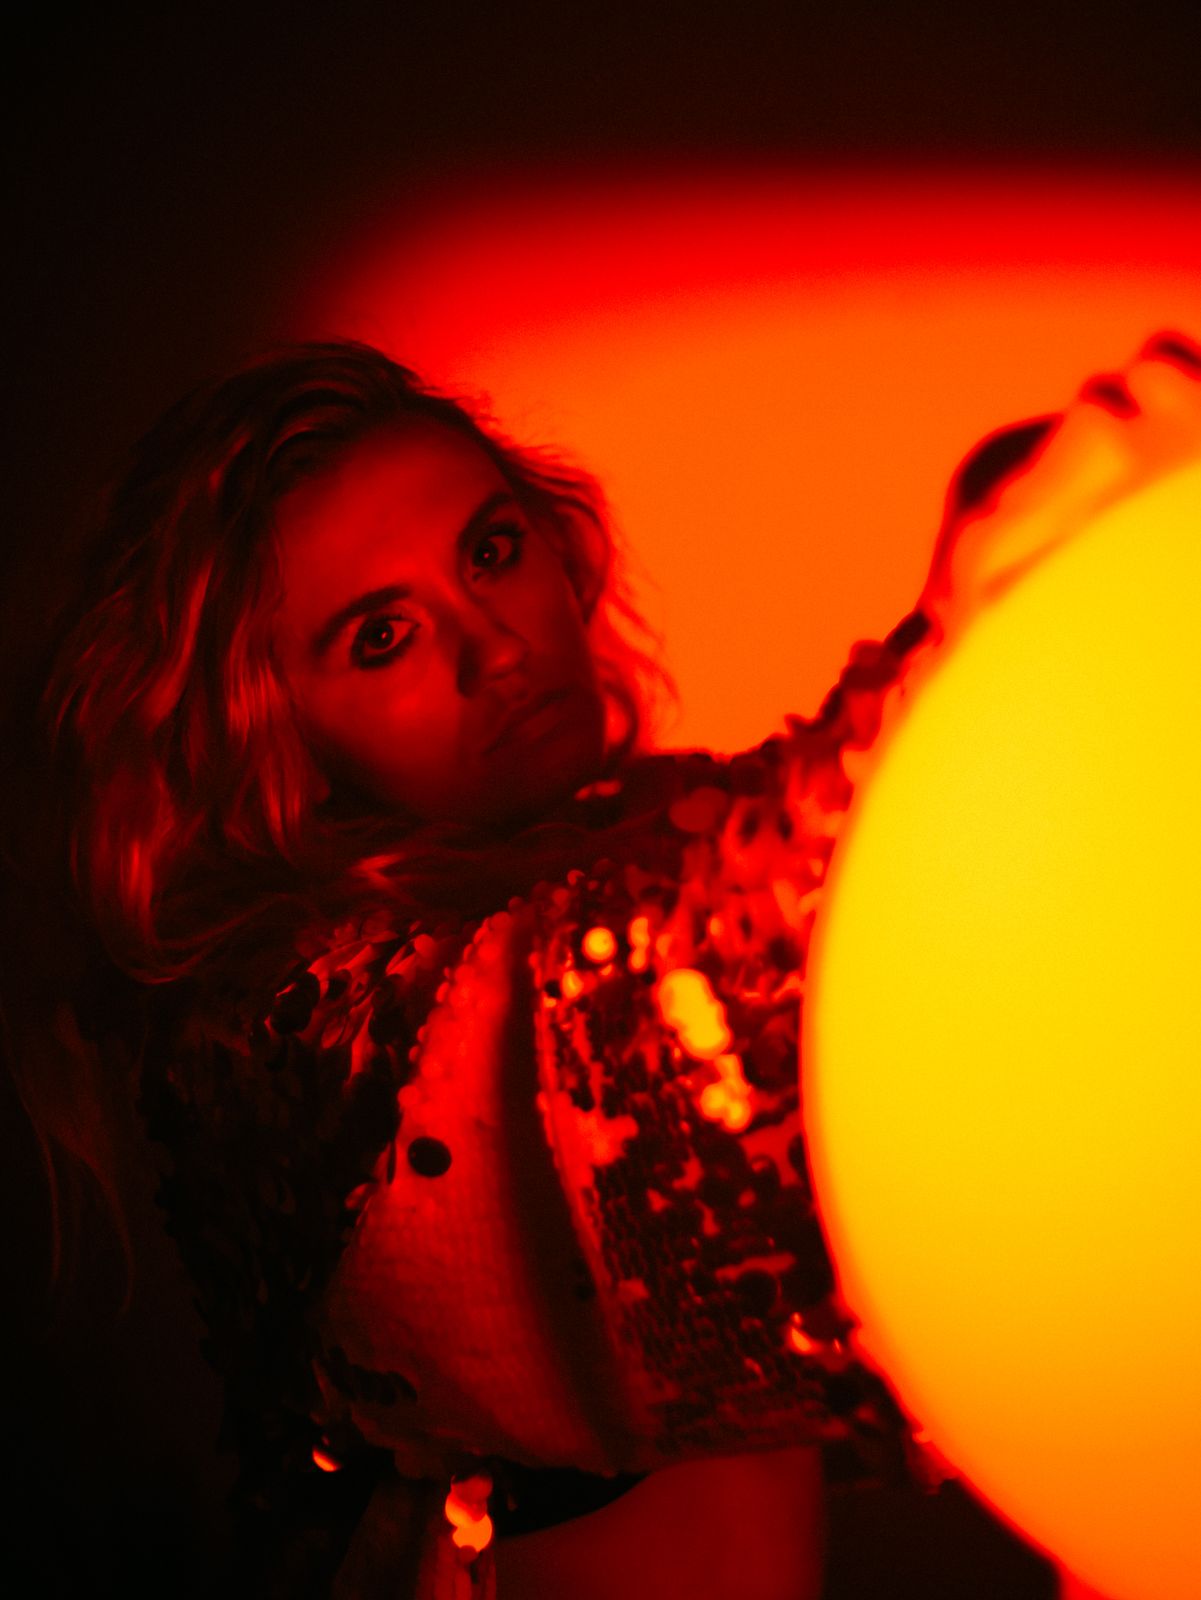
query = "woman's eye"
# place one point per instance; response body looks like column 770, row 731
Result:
column 507, row 539
column 379, row 641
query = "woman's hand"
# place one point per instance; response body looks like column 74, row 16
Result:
column 1123, row 431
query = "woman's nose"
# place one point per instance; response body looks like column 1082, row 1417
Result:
column 488, row 647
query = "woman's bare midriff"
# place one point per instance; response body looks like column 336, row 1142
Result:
column 737, row 1528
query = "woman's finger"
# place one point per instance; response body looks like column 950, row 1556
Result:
column 1109, row 391
column 1124, row 430
column 1174, row 347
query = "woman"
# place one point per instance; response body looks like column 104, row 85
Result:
column 470, row 1029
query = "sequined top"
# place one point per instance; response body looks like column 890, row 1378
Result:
column 531, row 1188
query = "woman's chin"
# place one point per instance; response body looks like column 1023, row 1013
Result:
column 526, row 810
column 535, row 781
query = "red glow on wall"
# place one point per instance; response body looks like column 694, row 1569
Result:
column 773, row 372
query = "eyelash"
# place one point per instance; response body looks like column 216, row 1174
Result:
column 509, row 531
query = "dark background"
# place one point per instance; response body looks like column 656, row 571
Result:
column 174, row 178
column 178, row 172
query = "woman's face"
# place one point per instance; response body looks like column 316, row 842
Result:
column 422, row 611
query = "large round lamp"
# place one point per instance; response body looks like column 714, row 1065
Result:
column 1003, row 1049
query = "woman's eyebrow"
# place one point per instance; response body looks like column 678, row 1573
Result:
column 363, row 604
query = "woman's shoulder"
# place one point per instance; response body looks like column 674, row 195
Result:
column 372, row 971
column 348, row 988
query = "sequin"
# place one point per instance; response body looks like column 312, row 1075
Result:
column 428, row 1157
column 599, row 945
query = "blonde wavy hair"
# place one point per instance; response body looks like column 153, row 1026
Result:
column 189, row 800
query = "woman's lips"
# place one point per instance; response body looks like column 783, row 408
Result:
column 532, row 719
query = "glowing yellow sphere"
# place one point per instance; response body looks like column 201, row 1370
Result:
column 1003, row 1050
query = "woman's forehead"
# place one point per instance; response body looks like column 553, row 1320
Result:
column 411, row 478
